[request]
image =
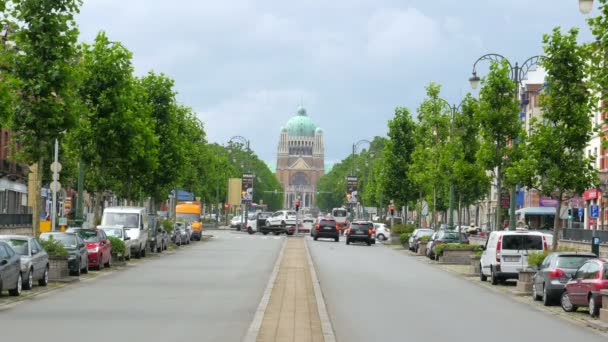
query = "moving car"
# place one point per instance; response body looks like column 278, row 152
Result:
column 262, row 217
column 98, row 245
column 417, row 234
column 78, row 259
column 281, row 218
column 506, row 252
column 120, row 233
column 10, row 270
column 308, row 223
column 583, row 289
column 359, row 231
column 158, row 237
column 383, row 233
column 34, row 260
column 445, row 236
column 135, row 221
column 555, row 271
column 326, row 228
column 341, row 217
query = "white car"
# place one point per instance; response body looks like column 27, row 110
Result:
column 383, row 233
column 282, row 218
column 252, row 226
column 135, row 221
column 506, row 253
column 120, row 233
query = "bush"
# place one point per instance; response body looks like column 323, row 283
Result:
column 403, row 228
column 404, row 238
column 54, row 248
column 168, row 226
column 118, row 246
column 439, row 249
column 536, row 259
column 425, row 238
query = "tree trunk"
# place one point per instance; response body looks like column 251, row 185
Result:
column 97, row 206
column 434, row 208
column 459, row 217
column 498, row 197
column 477, row 214
column 557, row 224
column 37, row 197
column 420, row 210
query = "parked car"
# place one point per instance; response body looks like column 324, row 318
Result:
column 10, row 270
column 383, row 233
column 78, row 259
column 34, row 260
column 262, row 217
column 553, row 274
column 326, row 228
column 135, row 221
column 359, row 231
column 120, row 233
column 236, row 222
column 506, row 252
column 180, row 234
column 583, row 289
column 445, row 236
column 428, row 245
column 158, row 237
column 281, row 218
column 98, row 245
column 416, row 235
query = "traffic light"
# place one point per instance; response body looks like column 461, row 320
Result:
column 297, row 205
column 392, row 209
column 569, row 214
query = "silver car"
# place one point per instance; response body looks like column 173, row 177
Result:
column 120, row 233
column 34, row 259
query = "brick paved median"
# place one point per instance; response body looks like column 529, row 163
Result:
column 292, row 313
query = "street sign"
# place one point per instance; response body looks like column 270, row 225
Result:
column 591, row 222
column 505, row 200
column 595, row 211
column 580, row 212
column 63, row 221
column 55, row 186
column 56, row 167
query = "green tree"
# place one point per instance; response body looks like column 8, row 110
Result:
column 554, row 161
column 499, row 124
column 47, row 100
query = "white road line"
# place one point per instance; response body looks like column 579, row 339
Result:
column 256, row 324
column 326, row 327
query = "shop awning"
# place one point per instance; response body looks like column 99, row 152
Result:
column 538, row 211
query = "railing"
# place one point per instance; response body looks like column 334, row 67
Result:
column 15, row 220
column 584, row 235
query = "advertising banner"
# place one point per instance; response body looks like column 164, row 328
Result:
column 247, row 187
column 234, row 192
column 352, row 193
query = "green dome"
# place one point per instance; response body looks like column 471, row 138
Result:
column 300, row 125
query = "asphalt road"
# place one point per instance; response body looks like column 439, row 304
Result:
column 206, row 292
column 378, row 294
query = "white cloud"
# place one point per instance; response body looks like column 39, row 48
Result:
column 395, row 32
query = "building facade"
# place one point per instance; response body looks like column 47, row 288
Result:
column 300, row 160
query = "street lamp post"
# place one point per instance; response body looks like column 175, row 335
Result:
column 355, row 149
column 244, row 142
column 518, row 74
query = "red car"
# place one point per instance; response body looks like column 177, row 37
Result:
column 98, row 246
column 584, row 287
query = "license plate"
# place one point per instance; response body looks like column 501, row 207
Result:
column 327, row 228
column 360, row 232
column 511, row 258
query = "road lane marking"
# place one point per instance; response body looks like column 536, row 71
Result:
column 256, row 324
column 328, row 331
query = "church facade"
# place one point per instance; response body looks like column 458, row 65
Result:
column 300, row 160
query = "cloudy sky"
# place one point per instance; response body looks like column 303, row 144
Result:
column 245, row 65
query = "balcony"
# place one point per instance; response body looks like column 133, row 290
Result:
column 12, row 170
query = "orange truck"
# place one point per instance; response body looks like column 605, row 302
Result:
column 191, row 213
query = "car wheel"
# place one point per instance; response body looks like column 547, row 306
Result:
column 17, row 290
column 369, row 243
column 143, row 252
column 28, row 282
column 347, row 241
column 77, row 273
column 547, row 301
column 566, row 303
column 482, row 276
column 381, row 237
column 535, row 295
column 265, row 233
column 109, row 263
column 250, row 231
column 85, row 270
column 337, row 239
column 100, row 263
column 315, row 238
column 44, row 281
column 493, row 277
column 594, row 308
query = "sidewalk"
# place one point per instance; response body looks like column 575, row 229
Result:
column 292, row 313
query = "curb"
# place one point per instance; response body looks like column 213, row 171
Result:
column 256, row 324
column 326, row 327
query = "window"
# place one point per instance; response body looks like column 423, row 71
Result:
column 3, row 253
column 571, row 261
column 581, row 271
column 593, row 270
column 547, row 262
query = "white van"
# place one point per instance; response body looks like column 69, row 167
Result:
column 506, row 252
column 135, row 222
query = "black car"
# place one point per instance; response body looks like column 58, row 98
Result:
column 555, row 271
column 360, row 232
column 78, row 259
column 446, row 236
column 326, row 228
column 10, row 270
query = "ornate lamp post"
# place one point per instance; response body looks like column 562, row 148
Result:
column 518, row 73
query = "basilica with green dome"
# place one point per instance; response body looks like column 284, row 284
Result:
column 300, row 159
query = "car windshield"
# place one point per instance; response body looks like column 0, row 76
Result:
column 68, row 240
column 188, row 217
column 114, row 232
column 291, row 213
column 127, row 220
column 19, row 245
column 424, row 233
column 339, row 213
column 327, row 223
column 522, row 242
column 572, row 261
column 88, row 235
column 359, row 226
